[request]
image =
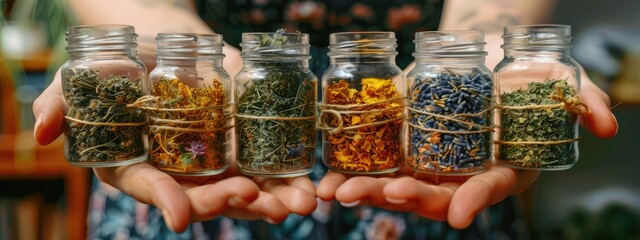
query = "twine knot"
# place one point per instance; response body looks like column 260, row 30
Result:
column 572, row 104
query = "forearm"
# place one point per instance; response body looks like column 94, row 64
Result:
column 149, row 17
column 491, row 16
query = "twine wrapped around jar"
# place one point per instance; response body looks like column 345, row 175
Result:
column 102, row 75
column 450, row 104
column 189, row 106
column 349, row 111
column 537, row 90
column 275, row 105
column 363, row 104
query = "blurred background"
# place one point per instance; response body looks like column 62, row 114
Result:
column 43, row 197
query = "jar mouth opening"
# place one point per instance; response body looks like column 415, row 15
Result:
column 278, row 44
column 352, row 36
column 188, row 45
column 363, row 43
column 453, row 43
column 544, row 36
column 108, row 37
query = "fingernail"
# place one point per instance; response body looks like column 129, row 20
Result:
column 351, row 204
column 616, row 121
column 396, row 201
column 268, row 220
column 237, row 202
column 167, row 219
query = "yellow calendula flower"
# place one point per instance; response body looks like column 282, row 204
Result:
column 371, row 147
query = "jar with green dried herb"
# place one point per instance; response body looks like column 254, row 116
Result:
column 190, row 106
column 100, row 80
column 362, row 111
column 450, row 104
column 275, row 106
column 538, row 106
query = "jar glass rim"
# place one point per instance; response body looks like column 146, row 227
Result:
column 549, row 36
column 369, row 43
column 101, row 38
column 275, row 44
column 452, row 43
column 172, row 45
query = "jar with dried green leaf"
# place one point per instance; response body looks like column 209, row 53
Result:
column 276, row 103
column 100, row 80
column 537, row 95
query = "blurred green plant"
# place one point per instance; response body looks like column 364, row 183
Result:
column 53, row 13
column 53, row 18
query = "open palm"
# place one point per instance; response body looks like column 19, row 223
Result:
column 455, row 199
column 187, row 199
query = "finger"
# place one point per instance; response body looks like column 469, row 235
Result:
column 432, row 201
column 149, row 185
column 48, row 111
column 303, row 183
column 600, row 121
column 267, row 206
column 329, row 184
column 211, row 200
column 436, row 179
column 485, row 189
column 362, row 190
column 296, row 199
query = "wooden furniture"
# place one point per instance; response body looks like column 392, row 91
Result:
column 22, row 158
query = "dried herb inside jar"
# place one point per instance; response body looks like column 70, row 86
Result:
column 369, row 140
column 545, row 121
column 276, row 121
column 99, row 126
column 450, row 122
column 187, row 127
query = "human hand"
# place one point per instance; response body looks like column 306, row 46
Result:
column 190, row 199
column 441, row 198
column 455, row 199
column 186, row 199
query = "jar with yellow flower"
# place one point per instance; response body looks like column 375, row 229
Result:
column 190, row 106
column 362, row 111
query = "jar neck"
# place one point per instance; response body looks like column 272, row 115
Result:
column 355, row 58
column 200, row 62
column 279, row 48
column 450, row 48
column 187, row 49
column 544, row 40
column 276, row 62
column 101, row 41
column 537, row 52
column 103, row 54
column 361, row 47
column 450, row 60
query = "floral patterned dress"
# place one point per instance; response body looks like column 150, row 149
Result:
column 114, row 215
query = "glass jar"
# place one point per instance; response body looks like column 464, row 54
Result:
column 102, row 76
column 191, row 111
column 276, row 104
column 449, row 110
column 362, row 110
column 537, row 93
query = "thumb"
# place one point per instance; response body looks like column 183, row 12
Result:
column 48, row 111
column 600, row 121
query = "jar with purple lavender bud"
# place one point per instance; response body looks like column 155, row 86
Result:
column 189, row 106
column 449, row 110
